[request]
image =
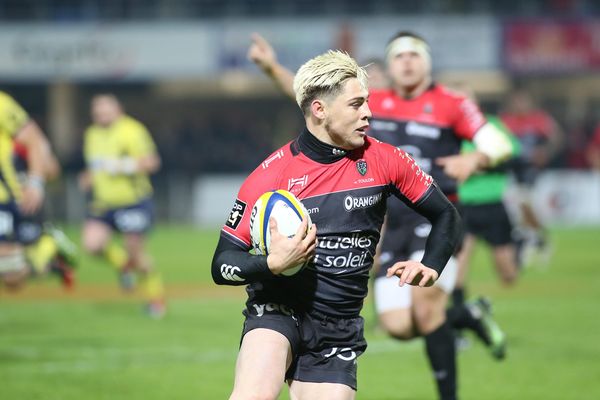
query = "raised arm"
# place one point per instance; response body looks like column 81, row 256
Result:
column 32, row 138
column 262, row 54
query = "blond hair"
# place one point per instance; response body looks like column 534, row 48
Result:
column 325, row 75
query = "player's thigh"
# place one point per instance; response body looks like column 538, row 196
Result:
column 429, row 303
column 393, row 307
column 262, row 361
column 320, row 391
column 95, row 235
column 464, row 259
column 13, row 267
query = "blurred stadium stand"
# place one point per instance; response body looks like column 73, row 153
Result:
column 179, row 66
column 118, row 10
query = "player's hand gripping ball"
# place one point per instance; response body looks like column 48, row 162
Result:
column 287, row 211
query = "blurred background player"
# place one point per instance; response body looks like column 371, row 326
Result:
column 120, row 154
column 541, row 139
column 485, row 217
column 21, row 200
column 378, row 78
column 44, row 243
column 409, row 114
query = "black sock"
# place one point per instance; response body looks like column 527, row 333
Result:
column 442, row 358
column 459, row 317
column 458, row 296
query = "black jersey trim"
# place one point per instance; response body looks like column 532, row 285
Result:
column 317, row 150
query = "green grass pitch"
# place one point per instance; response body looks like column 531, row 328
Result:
column 95, row 343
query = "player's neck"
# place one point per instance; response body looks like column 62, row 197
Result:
column 319, row 131
column 410, row 92
column 318, row 150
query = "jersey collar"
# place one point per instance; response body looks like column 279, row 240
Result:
column 316, row 150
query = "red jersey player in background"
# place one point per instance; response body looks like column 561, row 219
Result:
column 427, row 121
column 541, row 138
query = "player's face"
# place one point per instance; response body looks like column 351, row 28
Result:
column 105, row 110
column 408, row 69
column 347, row 116
column 521, row 103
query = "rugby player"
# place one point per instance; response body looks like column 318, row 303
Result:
column 21, row 199
column 541, row 139
column 307, row 328
column 428, row 121
column 120, row 155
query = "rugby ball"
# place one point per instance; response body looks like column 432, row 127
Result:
column 287, row 211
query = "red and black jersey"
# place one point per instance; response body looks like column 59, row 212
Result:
column 428, row 126
column 345, row 195
column 533, row 129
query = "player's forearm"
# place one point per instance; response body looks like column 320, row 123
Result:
column 445, row 232
column 149, row 164
column 233, row 266
column 36, row 144
column 493, row 144
column 283, row 78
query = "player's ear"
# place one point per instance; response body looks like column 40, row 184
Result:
column 317, row 108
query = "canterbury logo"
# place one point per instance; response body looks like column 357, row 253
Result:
column 229, row 273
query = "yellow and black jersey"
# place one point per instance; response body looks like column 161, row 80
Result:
column 12, row 119
column 126, row 137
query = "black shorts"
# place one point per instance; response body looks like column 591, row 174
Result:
column 489, row 222
column 524, row 171
column 324, row 349
column 404, row 235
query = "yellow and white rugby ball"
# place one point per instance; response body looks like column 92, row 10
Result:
column 287, row 211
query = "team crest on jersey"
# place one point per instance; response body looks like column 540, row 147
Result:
column 236, row 214
column 428, row 108
column 361, row 166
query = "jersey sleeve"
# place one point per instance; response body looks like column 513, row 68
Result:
column 263, row 179
column 12, row 116
column 409, row 180
column 140, row 141
column 545, row 124
column 469, row 118
column 87, row 146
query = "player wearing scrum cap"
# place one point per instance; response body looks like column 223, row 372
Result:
column 307, row 328
column 429, row 122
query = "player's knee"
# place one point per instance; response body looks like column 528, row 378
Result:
column 397, row 327
column 428, row 317
column 13, row 269
column 93, row 246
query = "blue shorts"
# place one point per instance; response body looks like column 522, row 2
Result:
column 136, row 218
column 18, row 228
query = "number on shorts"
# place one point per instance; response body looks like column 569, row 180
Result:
column 132, row 220
column 6, row 223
